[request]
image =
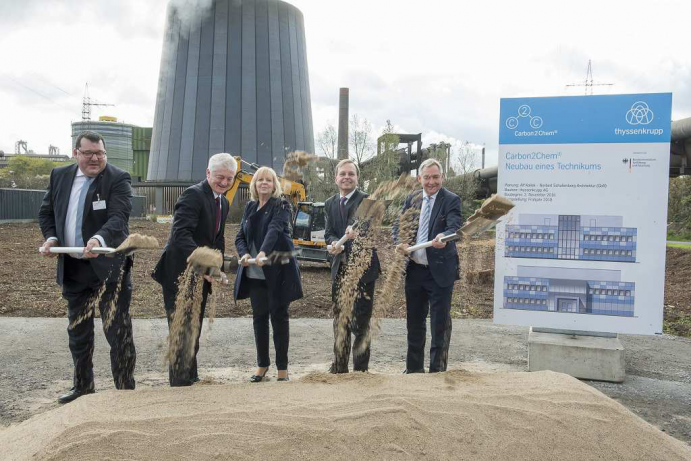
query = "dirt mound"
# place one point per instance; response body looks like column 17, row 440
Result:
column 455, row 415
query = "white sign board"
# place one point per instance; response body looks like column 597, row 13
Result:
column 584, row 248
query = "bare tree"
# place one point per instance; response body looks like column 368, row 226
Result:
column 464, row 183
column 361, row 139
column 327, row 141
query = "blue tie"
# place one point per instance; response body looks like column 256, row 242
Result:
column 78, row 239
column 423, row 230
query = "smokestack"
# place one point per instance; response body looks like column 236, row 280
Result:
column 483, row 158
column 343, row 97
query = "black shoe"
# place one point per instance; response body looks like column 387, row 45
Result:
column 258, row 378
column 334, row 370
column 410, row 372
column 74, row 394
column 283, row 379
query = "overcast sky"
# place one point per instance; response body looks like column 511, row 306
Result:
column 438, row 67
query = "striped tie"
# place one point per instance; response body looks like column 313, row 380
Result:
column 423, row 230
column 78, row 239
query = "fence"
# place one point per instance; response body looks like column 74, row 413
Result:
column 161, row 198
column 22, row 205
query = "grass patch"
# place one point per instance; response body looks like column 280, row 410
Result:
column 683, row 246
column 677, row 323
column 683, row 236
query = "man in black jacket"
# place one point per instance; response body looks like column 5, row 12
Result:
column 432, row 271
column 198, row 221
column 88, row 205
column 340, row 214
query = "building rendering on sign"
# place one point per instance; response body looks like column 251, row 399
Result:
column 576, row 291
column 582, row 237
column 234, row 79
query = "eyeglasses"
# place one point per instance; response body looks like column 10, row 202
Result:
column 99, row 154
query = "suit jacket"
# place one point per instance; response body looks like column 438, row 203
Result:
column 113, row 186
column 194, row 223
column 335, row 229
column 445, row 219
column 283, row 280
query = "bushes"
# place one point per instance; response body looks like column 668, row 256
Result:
column 679, row 208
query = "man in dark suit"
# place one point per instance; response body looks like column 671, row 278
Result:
column 432, row 271
column 340, row 214
column 88, row 205
column 198, row 221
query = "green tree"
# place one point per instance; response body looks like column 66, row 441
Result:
column 27, row 172
column 679, row 206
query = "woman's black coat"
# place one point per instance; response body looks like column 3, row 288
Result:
column 283, row 280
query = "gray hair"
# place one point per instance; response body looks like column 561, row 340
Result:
column 225, row 161
column 431, row 162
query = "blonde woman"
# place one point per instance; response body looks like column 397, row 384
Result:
column 265, row 228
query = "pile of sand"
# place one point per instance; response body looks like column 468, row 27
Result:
column 454, row 415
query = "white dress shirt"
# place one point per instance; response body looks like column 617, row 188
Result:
column 347, row 197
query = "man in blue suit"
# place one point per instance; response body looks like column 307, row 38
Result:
column 431, row 272
column 88, row 205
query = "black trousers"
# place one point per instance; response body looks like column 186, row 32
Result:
column 80, row 287
column 359, row 326
column 178, row 373
column 266, row 306
column 423, row 295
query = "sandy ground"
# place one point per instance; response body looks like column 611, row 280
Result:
column 35, row 366
column 454, row 415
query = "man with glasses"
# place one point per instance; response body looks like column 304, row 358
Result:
column 432, row 271
column 88, row 205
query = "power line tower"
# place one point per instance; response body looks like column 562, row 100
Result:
column 87, row 104
column 20, row 146
column 589, row 83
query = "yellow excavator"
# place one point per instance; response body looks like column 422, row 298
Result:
column 309, row 220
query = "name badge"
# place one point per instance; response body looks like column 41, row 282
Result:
column 99, row 205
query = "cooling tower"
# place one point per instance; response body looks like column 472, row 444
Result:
column 233, row 79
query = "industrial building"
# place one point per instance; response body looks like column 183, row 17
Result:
column 576, row 291
column 580, row 237
column 127, row 145
column 233, row 78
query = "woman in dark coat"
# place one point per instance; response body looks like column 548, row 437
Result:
column 265, row 229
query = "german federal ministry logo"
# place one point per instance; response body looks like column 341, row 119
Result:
column 639, row 114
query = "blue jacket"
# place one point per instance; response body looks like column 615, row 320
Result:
column 445, row 219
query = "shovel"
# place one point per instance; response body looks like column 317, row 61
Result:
column 484, row 217
column 131, row 244
column 231, row 263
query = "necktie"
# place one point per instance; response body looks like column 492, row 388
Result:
column 78, row 239
column 423, row 230
column 344, row 215
column 218, row 215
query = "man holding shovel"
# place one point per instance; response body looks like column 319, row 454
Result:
column 340, row 213
column 198, row 221
column 88, row 205
column 432, row 271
